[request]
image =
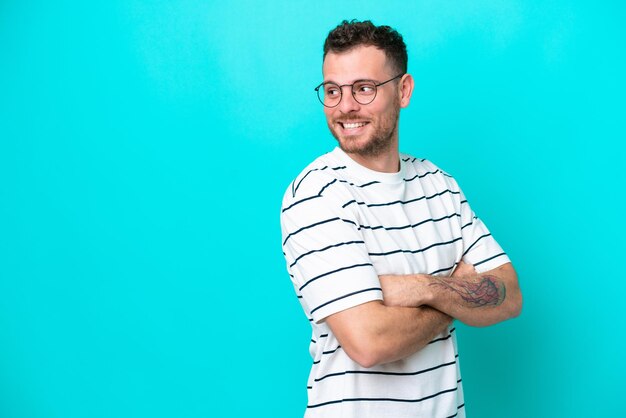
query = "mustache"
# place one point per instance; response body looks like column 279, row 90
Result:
column 349, row 119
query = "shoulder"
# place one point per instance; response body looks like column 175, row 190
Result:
column 316, row 196
column 313, row 179
column 425, row 169
column 422, row 165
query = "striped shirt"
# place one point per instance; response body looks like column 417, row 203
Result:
column 343, row 225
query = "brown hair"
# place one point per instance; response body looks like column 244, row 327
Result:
column 350, row 34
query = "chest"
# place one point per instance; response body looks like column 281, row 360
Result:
column 410, row 227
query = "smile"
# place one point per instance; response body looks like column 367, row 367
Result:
column 353, row 125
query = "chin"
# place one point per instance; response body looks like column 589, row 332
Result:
column 365, row 147
column 354, row 145
column 351, row 144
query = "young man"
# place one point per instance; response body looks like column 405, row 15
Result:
column 383, row 249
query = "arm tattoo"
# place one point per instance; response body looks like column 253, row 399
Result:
column 486, row 290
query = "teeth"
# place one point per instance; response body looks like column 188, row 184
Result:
column 353, row 125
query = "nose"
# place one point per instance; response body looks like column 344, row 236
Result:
column 348, row 104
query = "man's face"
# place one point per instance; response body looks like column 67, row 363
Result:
column 365, row 130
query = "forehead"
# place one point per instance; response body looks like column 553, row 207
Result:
column 362, row 62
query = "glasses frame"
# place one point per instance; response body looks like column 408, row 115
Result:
column 317, row 90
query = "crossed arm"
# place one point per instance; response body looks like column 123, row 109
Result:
column 373, row 333
column 418, row 307
column 476, row 299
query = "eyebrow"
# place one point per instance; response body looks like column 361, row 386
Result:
column 347, row 84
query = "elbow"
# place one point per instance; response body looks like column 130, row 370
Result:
column 367, row 350
column 364, row 354
column 513, row 307
column 514, row 303
column 514, row 294
column 363, row 336
column 516, row 306
column 366, row 361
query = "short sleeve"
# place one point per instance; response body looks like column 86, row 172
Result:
column 479, row 247
column 326, row 256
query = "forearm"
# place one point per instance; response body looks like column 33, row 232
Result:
column 474, row 299
column 479, row 300
column 388, row 333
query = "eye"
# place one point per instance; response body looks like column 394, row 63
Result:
column 331, row 90
column 365, row 88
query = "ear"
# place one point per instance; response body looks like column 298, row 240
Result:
column 406, row 89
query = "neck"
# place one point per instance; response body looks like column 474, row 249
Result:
column 387, row 161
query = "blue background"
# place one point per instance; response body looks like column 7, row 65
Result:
column 145, row 148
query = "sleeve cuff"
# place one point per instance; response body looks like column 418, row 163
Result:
column 344, row 302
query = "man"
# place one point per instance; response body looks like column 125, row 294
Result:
column 384, row 250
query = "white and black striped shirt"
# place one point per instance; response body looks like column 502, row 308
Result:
column 343, row 225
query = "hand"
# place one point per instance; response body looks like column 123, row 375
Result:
column 463, row 270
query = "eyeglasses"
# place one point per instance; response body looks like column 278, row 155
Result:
column 363, row 91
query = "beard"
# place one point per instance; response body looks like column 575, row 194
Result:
column 385, row 130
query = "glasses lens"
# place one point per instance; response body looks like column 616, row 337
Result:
column 364, row 91
column 329, row 94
